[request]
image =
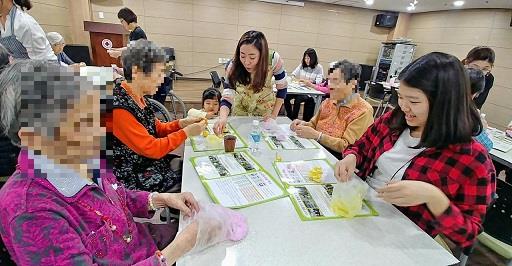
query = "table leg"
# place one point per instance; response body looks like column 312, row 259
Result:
column 318, row 101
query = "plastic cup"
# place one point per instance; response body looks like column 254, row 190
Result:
column 229, row 143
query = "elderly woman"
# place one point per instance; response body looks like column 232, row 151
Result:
column 344, row 117
column 57, row 42
column 62, row 206
column 142, row 143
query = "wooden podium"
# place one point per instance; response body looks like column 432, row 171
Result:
column 102, row 35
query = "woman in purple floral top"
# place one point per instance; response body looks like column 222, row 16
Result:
column 61, row 206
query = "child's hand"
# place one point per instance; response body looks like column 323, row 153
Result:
column 210, row 115
column 189, row 121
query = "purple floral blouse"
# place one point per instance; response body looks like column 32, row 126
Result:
column 51, row 216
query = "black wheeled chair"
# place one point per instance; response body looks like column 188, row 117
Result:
column 165, row 93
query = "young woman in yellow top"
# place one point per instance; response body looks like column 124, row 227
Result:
column 249, row 76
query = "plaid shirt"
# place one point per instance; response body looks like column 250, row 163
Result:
column 464, row 172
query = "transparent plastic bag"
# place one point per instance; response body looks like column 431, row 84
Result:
column 217, row 224
column 272, row 127
column 196, row 113
column 347, row 197
column 212, row 141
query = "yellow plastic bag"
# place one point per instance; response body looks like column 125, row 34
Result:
column 347, row 197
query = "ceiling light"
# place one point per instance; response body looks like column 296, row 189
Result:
column 369, row 2
column 458, row 3
column 412, row 5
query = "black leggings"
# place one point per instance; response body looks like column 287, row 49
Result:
column 293, row 111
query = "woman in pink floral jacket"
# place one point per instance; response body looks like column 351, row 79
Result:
column 61, row 207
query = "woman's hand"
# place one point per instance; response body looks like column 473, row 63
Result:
column 295, row 123
column 269, row 116
column 219, row 125
column 189, row 121
column 306, row 132
column 183, row 243
column 185, row 202
column 309, row 84
column 196, row 128
column 407, row 193
column 115, row 53
column 345, row 168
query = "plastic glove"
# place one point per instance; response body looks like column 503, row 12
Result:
column 217, row 224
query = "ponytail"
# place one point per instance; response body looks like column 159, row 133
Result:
column 24, row 4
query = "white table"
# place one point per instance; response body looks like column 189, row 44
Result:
column 278, row 237
column 504, row 158
column 295, row 88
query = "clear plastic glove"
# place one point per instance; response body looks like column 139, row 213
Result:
column 195, row 129
column 217, row 224
column 196, row 113
column 347, row 197
column 270, row 124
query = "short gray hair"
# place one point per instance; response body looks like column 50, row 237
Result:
column 143, row 54
column 36, row 94
column 350, row 70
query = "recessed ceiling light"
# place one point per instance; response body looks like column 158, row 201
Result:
column 369, row 2
column 410, row 8
column 458, row 3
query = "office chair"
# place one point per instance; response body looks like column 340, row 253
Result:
column 384, row 97
column 497, row 233
column 78, row 53
column 366, row 75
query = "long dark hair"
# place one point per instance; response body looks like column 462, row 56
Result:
column 313, row 58
column 24, row 4
column 452, row 116
column 238, row 73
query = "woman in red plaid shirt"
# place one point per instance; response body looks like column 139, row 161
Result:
column 421, row 156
